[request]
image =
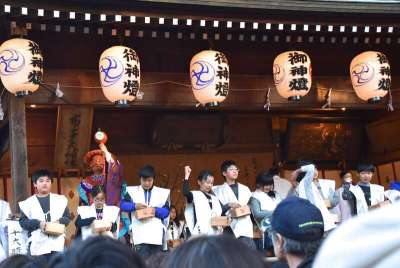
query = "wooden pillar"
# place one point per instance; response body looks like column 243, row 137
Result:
column 277, row 149
column 18, row 150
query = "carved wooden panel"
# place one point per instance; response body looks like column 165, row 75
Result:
column 74, row 126
column 324, row 140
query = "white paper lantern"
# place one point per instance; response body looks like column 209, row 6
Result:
column 370, row 76
column 209, row 75
column 119, row 69
column 292, row 74
column 21, row 66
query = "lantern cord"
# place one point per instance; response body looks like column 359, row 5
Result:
column 390, row 102
column 188, row 86
column 56, row 91
column 1, row 107
column 2, row 92
column 328, row 99
column 267, row 104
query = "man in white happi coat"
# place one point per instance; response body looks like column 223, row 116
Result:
column 235, row 195
column 319, row 192
column 366, row 193
column 148, row 235
column 41, row 209
column 5, row 212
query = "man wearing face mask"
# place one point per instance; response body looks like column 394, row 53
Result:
column 347, row 206
column 148, row 234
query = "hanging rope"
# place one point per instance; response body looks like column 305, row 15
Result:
column 390, row 101
column 267, row 104
column 328, row 99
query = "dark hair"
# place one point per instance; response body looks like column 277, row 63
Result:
column 22, row 261
column 343, row 173
column 41, row 173
column 98, row 251
column 155, row 260
column 298, row 248
column 203, row 175
column 274, row 171
column 264, row 178
column 147, row 171
column 300, row 164
column 303, row 162
column 176, row 220
column 300, row 176
column 213, row 252
column 365, row 167
column 96, row 190
column 226, row 164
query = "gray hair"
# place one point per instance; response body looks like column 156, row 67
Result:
column 298, row 248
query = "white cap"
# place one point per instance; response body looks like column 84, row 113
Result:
column 369, row 240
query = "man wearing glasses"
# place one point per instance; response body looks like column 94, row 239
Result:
column 235, row 195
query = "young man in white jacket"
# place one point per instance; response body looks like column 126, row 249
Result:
column 41, row 209
column 234, row 195
column 366, row 193
column 148, row 235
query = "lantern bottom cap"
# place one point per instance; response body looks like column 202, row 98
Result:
column 22, row 93
column 374, row 100
column 294, row 98
column 122, row 103
column 211, row 104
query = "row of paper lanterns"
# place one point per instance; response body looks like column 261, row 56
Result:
column 21, row 72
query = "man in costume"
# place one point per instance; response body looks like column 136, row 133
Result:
column 107, row 171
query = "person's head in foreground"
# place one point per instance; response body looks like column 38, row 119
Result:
column 368, row 240
column 297, row 230
column 98, row 252
column 213, row 252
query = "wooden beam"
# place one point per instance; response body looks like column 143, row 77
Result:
column 19, row 159
column 172, row 90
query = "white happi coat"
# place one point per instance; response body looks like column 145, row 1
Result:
column 240, row 226
column 327, row 188
column 203, row 214
column 308, row 190
column 377, row 196
column 110, row 214
column 174, row 231
column 42, row 243
column 4, row 212
column 153, row 230
column 267, row 203
column 282, row 186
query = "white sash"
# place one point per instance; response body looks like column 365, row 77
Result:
column 4, row 212
column 42, row 243
column 327, row 187
column 203, row 214
column 308, row 190
column 393, row 195
column 240, row 226
column 110, row 214
column 174, row 231
column 149, row 231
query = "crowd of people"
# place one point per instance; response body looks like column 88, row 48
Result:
column 302, row 221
